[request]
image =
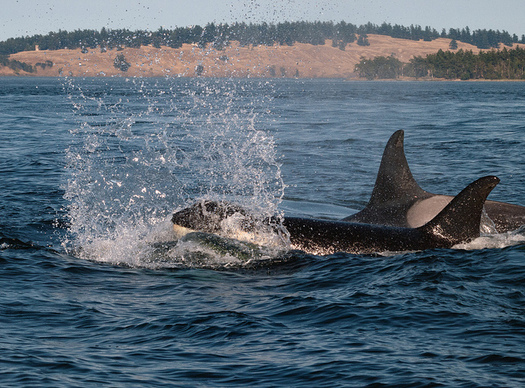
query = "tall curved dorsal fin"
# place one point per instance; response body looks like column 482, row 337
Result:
column 459, row 221
column 395, row 189
column 394, row 182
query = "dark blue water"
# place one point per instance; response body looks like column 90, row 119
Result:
column 91, row 170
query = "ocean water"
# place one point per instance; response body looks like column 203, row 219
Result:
column 95, row 293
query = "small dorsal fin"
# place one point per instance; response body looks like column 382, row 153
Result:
column 459, row 221
column 394, row 180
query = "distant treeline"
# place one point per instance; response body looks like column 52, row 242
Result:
column 464, row 65
column 219, row 35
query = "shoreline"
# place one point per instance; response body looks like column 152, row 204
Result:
column 353, row 79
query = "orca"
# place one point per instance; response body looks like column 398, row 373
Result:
column 398, row 200
column 458, row 222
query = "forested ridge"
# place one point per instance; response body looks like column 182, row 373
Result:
column 219, row 35
column 506, row 63
column 462, row 64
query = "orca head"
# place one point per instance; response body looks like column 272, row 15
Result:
column 210, row 217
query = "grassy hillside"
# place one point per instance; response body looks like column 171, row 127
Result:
column 299, row 60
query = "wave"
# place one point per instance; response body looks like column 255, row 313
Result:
column 14, row 243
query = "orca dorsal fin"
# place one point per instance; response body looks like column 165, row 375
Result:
column 394, row 182
column 459, row 221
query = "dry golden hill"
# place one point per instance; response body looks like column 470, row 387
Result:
column 299, row 60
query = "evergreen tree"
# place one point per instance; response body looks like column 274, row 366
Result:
column 286, row 33
column 379, row 68
column 121, row 63
column 363, row 40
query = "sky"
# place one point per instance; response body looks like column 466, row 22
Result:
column 30, row 17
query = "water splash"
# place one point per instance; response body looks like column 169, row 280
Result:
column 495, row 240
column 144, row 148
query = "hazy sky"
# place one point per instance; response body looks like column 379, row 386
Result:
column 29, row 17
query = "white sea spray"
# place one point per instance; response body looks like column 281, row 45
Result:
column 143, row 149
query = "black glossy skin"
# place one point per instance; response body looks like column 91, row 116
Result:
column 458, row 222
column 324, row 237
column 396, row 192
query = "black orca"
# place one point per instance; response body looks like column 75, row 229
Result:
column 398, row 200
column 458, row 222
